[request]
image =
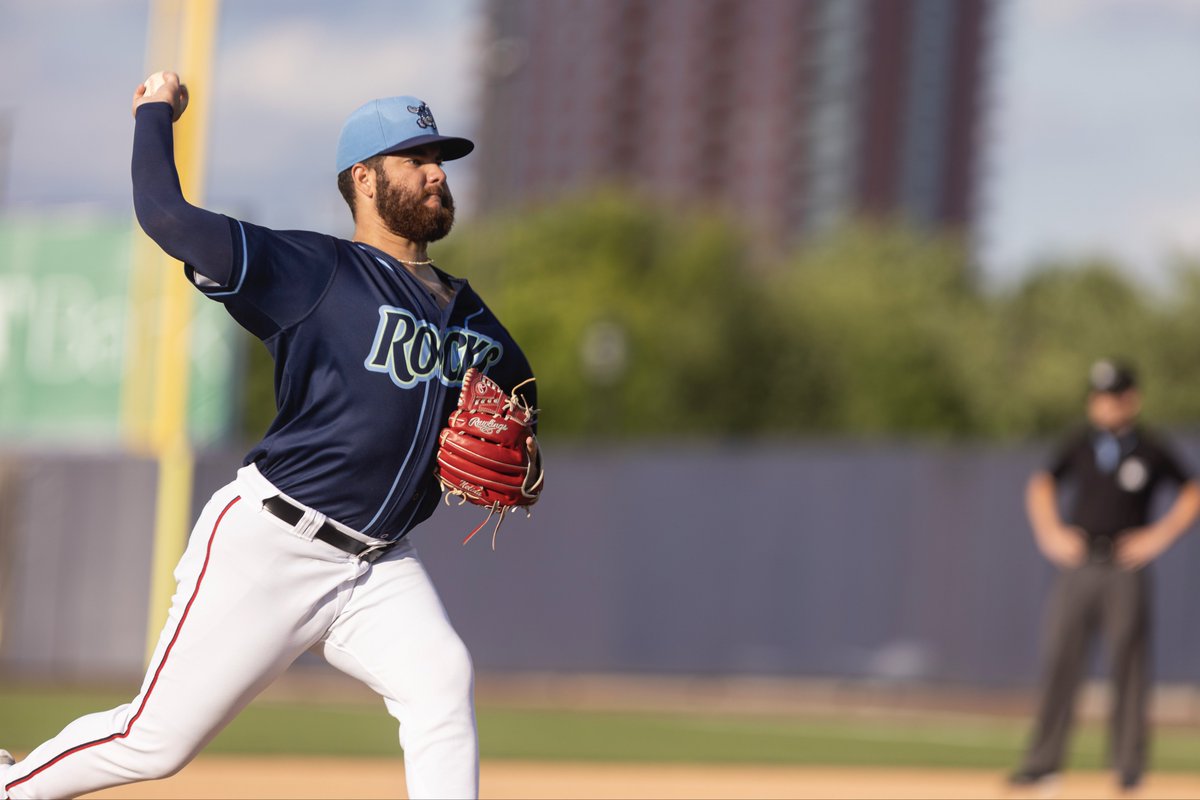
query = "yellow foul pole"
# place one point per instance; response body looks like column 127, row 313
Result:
column 180, row 39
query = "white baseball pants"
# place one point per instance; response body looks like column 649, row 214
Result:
column 253, row 594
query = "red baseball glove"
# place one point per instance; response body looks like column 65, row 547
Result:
column 487, row 454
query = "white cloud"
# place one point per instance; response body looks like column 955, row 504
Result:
column 1097, row 114
column 1077, row 15
column 301, row 68
column 1176, row 226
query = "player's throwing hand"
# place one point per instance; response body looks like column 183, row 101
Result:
column 162, row 87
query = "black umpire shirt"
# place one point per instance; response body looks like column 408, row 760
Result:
column 1114, row 477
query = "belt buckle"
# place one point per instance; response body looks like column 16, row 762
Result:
column 1102, row 549
column 374, row 552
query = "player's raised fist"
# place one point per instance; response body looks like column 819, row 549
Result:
column 162, row 87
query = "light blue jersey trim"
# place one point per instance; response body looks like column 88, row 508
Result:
column 424, row 400
column 385, row 264
column 245, row 262
column 408, row 457
column 363, row 247
column 424, row 403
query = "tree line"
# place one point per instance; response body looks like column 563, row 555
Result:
column 642, row 321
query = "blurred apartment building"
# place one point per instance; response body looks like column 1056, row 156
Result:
column 794, row 114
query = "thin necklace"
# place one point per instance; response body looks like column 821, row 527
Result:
column 416, row 263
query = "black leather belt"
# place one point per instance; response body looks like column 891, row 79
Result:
column 1101, row 549
column 327, row 533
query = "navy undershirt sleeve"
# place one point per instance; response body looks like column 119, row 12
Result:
column 201, row 239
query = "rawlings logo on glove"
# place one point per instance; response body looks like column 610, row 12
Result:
column 487, row 426
column 487, row 454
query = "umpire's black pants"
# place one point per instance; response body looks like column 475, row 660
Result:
column 1097, row 596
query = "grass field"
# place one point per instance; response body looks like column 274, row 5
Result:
column 30, row 715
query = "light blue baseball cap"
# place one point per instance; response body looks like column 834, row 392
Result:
column 391, row 124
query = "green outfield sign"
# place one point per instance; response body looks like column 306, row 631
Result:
column 64, row 334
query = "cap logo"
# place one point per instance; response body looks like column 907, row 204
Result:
column 424, row 116
column 1104, row 374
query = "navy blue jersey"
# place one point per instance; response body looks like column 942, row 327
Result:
column 367, row 370
column 367, row 365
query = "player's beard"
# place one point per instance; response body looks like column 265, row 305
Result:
column 405, row 213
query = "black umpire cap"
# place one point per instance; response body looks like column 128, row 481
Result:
column 1111, row 377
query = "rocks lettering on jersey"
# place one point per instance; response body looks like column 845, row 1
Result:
column 412, row 351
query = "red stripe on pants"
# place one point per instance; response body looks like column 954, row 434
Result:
column 150, row 690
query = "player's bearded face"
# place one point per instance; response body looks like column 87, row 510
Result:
column 408, row 213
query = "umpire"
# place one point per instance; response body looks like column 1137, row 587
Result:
column 1102, row 549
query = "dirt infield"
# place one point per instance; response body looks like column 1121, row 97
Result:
column 235, row 777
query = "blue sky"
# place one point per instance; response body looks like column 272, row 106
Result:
column 1090, row 145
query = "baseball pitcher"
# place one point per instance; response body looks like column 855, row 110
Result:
column 375, row 350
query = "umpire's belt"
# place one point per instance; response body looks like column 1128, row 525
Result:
column 292, row 514
column 1101, row 548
